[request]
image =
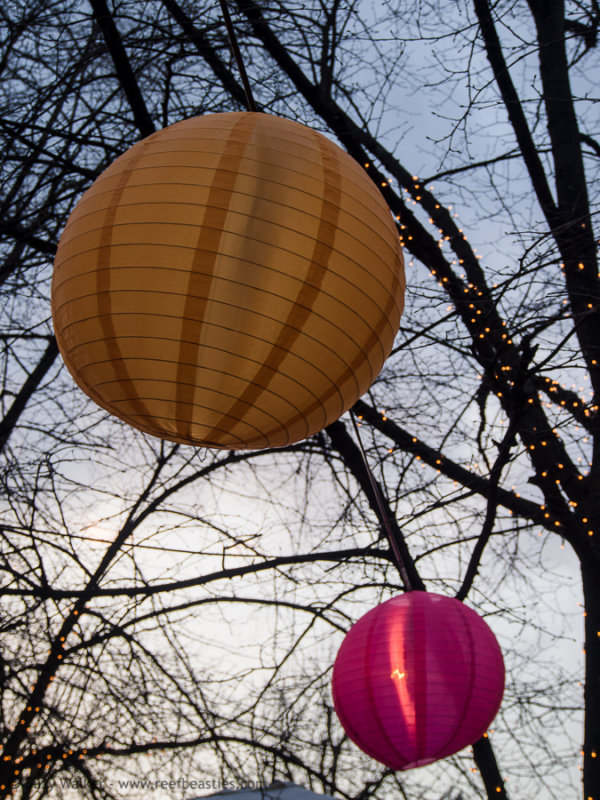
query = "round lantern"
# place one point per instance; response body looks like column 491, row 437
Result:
column 234, row 280
column 416, row 679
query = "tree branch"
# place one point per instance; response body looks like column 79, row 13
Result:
column 125, row 73
column 514, row 109
column 224, row 574
column 8, row 423
column 207, row 51
column 500, row 462
column 476, row 483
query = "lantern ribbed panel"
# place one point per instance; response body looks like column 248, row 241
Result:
column 416, row 679
column 234, row 280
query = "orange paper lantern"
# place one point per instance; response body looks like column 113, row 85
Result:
column 234, row 281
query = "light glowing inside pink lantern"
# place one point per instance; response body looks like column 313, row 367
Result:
column 416, row 679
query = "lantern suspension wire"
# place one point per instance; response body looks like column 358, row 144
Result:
column 238, row 56
column 383, row 517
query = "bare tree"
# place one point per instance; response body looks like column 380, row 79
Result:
column 139, row 578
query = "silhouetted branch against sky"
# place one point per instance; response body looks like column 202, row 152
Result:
column 174, row 612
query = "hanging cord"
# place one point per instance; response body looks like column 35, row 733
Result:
column 383, row 517
column 238, row 56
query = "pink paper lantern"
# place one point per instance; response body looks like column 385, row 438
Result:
column 416, row 679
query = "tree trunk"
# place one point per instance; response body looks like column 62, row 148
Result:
column 590, row 570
